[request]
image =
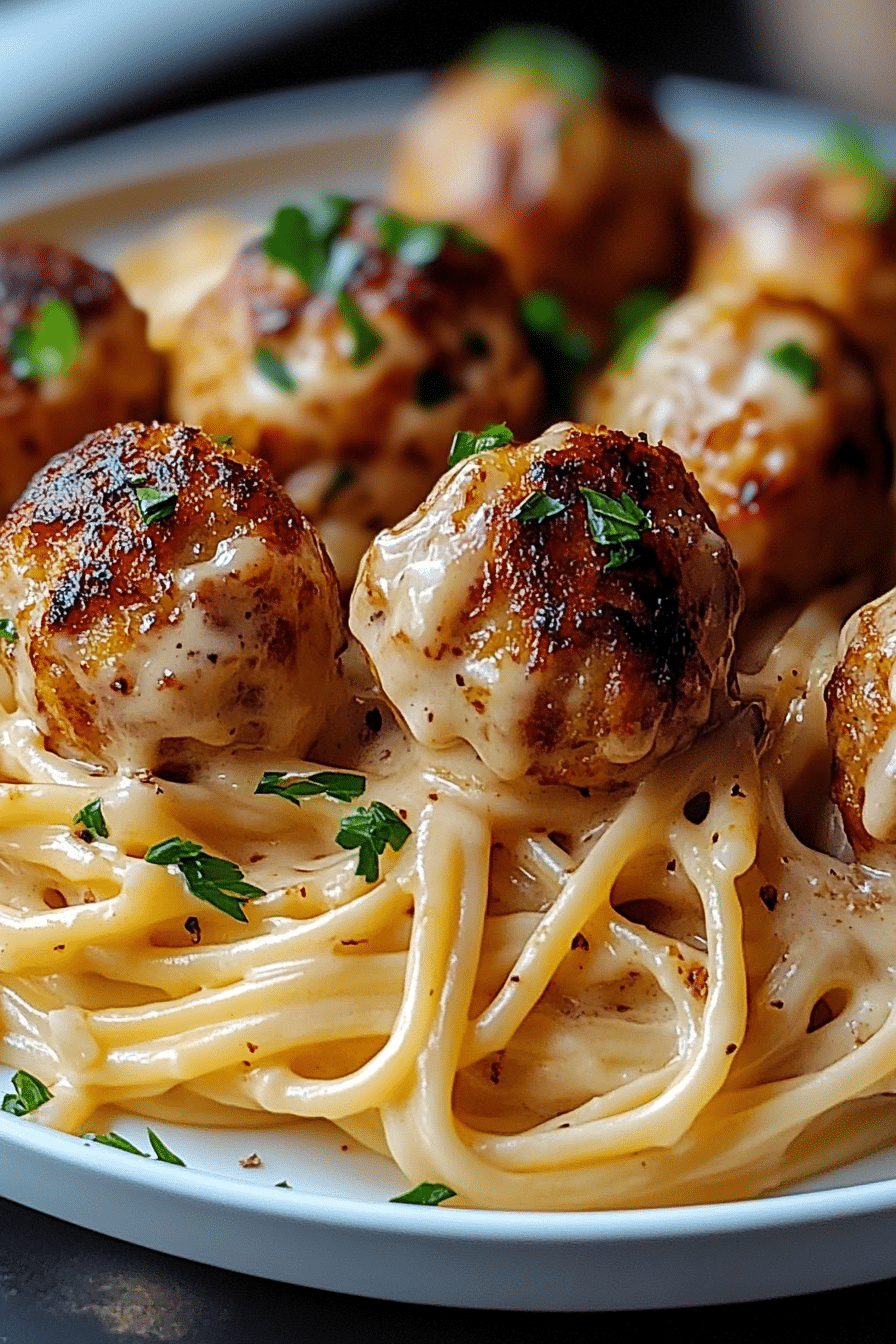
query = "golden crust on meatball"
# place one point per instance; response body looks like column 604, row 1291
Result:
column 368, row 435
column 552, row 654
column 777, row 413
column 115, row 376
column 819, row 232
column 588, row 198
column 861, row 701
column 166, row 592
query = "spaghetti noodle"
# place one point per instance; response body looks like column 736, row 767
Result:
column 545, row 1000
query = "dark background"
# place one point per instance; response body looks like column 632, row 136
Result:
column 61, row 1285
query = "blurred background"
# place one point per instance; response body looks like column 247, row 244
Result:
column 69, row 68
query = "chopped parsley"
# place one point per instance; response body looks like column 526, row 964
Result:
column 544, row 313
column 271, row 367
column 306, row 242
column 366, row 338
column 346, row 254
column 634, row 323
column 301, row 239
column 161, row 1150
column 369, row 830
column 222, row 440
column 163, row 1153
column 153, row 504
column 283, row 1185
column 113, row 1140
column 467, row 443
column 343, row 478
column 615, row 523
column 48, row 348
column 340, row 787
column 537, row 506
column 554, row 57
column 561, row 349
column 793, row 358
column 91, row 820
column 427, row 1192
column 328, row 213
column 413, row 242
column 29, row 1093
column 8, row 631
column 211, row 879
column 847, row 145
column 417, row 242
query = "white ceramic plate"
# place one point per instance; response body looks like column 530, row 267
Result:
column 335, row 1228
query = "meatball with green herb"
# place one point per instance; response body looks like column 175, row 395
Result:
column 777, row 413
column 559, row 164
column 73, row 358
column 163, row 597
column 345, row 349
column 823, row 230
column 565, row 606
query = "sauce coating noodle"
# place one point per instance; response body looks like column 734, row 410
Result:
column 546, row 1000
column 556, row 984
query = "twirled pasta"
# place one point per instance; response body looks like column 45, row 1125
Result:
column 546, row 1000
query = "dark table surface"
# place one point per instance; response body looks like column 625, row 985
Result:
column 62, row 1285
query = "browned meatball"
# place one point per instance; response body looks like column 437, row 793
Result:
column 165, row 592
column 779, row 417
column 494, row 615
column 361, row 434
column 576, row 183
column 115, row 375
column 825, row 233
column 861, row 699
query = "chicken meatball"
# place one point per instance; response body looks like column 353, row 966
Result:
column 861, row 700
column 352, row 391
column 564, row 169
column 566, row 606
column 166, row 593
column 108, row 373
column 779, row 417
column 822, row 232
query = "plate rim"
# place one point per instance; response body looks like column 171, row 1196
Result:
column 696, row 1255
column 724, row 1216
column 230, row 132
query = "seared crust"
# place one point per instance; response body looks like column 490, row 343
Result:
column 862, row 726
column 588, row 199
column 33, row 273
column 217, row 624
column 797, row 475
column 547, row 661
column 453, row 354
column 807, row 233
column 116, row 376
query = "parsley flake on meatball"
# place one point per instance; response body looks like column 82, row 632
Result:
column 777, row 413
column 166, row 597
column 73, row 358
column 821, row 231
column 346, row 348
column 560, row 165
column 566, row 606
